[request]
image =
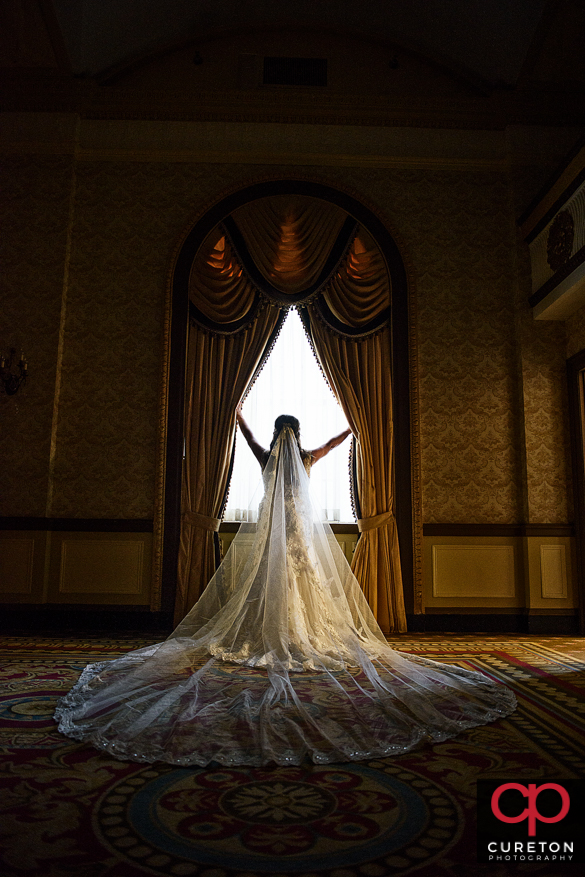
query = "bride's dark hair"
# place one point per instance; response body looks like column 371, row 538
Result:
column 288, row 420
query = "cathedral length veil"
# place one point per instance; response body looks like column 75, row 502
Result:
column 280, row 659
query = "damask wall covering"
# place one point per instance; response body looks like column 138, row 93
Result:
column 575, row 326
column 36, row 198
column 88, row 246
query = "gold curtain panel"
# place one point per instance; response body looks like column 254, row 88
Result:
column 360, row 374
column 218, row 371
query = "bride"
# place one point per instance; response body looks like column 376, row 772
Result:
column 280, row 659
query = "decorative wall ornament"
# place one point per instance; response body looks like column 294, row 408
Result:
column 560, row 239
column 13, row 372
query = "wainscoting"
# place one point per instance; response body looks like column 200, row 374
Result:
column 475, row 578
column 482, row 572
column 76, row 562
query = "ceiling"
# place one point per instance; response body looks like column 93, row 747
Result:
column 467, row 64
column 489, row 38
column 491, row 42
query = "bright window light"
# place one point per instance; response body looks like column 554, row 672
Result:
column 291, row 383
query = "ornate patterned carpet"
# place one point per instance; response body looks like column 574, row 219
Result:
column 67, row 810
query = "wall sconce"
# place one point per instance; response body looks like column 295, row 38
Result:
column 12, row 373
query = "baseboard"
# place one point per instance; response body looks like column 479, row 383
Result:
column 522, row 623
column 51, row 620
column 562, row 625
column 79, row 525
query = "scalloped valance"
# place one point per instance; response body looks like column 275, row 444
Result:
column 290, row 250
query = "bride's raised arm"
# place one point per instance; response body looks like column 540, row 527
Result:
column 318, row 453
column 259, row 452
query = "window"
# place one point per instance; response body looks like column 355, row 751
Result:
column 291, row 383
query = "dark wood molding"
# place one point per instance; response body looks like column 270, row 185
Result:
column 498, row 530
column 577, row 259
column 575, row 365
column 480, row 621
column 457, row 529
column 78, row 525
column 95, row 621
column 63, row 619
column 550, row 183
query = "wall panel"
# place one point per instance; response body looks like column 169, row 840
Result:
column 97, row 568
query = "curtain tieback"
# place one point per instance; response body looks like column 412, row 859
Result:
column 374, row 522
column 203, row 521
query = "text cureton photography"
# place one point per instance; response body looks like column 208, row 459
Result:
column 531, row 851
column 531, row 822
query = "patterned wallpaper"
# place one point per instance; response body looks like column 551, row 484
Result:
column 34, row 220
column 575, row 328
column 544, row 435
column 128, row 219
column 483, row 368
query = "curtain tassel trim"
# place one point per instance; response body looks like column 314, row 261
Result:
column 365, row 524
column 203, row 521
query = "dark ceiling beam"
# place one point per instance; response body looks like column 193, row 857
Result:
column 55, row 36
column 113, row 74
column 549, row 15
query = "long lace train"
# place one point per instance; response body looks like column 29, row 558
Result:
column 280, row 659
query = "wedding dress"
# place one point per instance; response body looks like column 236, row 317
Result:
column 281, row 659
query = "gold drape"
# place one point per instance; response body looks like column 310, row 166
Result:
column 289, row 238
column 218, row 370
column 359, row 372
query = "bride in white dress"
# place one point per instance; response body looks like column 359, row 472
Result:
column 281, row 658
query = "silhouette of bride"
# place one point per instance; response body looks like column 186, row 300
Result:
column 280, row 659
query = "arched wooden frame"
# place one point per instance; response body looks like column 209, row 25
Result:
column 404, row 390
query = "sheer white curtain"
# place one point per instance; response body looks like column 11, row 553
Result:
column 291, row 383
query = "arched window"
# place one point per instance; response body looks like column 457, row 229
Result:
column 252, row 256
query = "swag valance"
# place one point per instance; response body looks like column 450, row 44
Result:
column 270, row 254
column 287, row 251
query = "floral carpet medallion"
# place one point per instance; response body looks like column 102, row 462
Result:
column 67, row 810
column 255, row 820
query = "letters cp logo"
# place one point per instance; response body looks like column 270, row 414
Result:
column 531, row 812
